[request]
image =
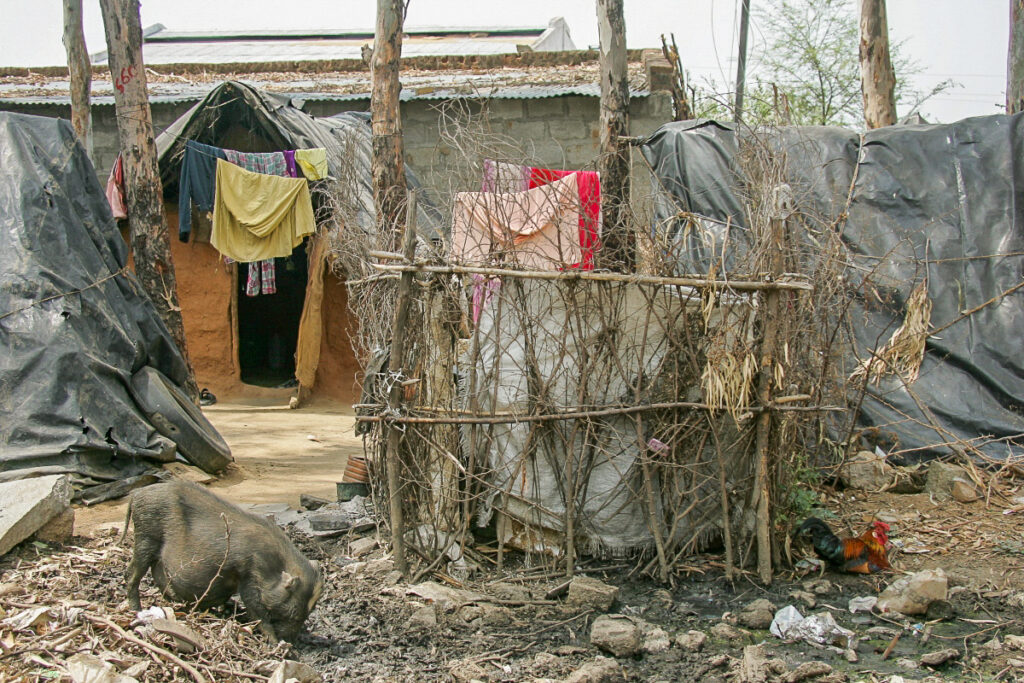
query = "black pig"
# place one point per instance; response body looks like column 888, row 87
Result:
column 203, row 550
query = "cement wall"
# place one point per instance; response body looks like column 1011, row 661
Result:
column 556, row 132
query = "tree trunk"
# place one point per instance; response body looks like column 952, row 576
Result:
column 151, row 245
column 388, row 161
column 877, row 79
column 617, row 252
column 1015, row 59
column 80, row 73
column 741, row 62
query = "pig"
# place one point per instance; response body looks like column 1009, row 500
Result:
column 203, row 550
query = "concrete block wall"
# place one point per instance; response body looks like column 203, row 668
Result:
column 557, row 132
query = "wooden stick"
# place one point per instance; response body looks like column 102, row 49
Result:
column 150, row 647
column 509, row 418
column 892, row 644
column 394, row 436
column 602, row 276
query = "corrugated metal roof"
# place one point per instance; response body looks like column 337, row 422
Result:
column 161, row 46
column 194, row 95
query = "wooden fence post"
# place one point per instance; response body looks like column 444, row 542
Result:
column 395, row 395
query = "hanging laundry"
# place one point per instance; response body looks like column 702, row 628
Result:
column 115, row 189
column 262, row 278
column 196, row 183
column 590, row 203
column 535, row 229
column 313, row 162
column 501, row 176
column 271, row 163
column 258, row 216
column 262, row 274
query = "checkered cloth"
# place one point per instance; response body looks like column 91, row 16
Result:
column 271, row 163
column 262, row 278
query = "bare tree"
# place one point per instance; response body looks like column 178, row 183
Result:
column 151, row 245
column 1015, row 59
column 79, row 71
column 388, row 161
column 877, row 78
column 619, row 245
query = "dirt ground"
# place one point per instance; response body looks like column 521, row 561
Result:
column 515, row 625
column 279, row 454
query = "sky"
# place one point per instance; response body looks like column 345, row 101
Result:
column 949, row 39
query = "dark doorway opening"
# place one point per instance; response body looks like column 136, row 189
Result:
column 268, row 324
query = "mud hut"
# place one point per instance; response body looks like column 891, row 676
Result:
column 298, row 336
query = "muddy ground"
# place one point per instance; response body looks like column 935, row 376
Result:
column 505, row 626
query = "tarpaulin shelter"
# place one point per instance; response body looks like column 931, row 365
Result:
column 221, row 322
column 82, row 343
column 938, row 204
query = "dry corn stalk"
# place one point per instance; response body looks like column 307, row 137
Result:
column 904, row 352
column 728, row 379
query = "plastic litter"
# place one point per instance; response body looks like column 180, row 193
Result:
column 822, row 628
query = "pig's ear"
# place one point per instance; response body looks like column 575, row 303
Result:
column 316, row 565
column 289, row 582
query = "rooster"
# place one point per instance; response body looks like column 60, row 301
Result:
column 863, row 555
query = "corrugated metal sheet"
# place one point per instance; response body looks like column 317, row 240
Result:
column 194, row 94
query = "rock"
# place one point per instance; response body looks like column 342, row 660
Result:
column 509, row 591
column 598, row 670
column 662, row 598
column 692, row 641
column 312, row 502
column 757, row 615
column 992, row 647
column 60, row 529
column 379, row 567
column 866, row 470
column 805, row 597
column 655, row 639
column 807, row 670
column 362, row 546
column 964, row 491
column 912, row 594
column 544, row 659
column 850, row 656
column 1015, row 663
column 818, row 586
column 588, row 593
column 86, row 668
column 941, row 476
column 616, row 634
column 28, row 504
column 939, row 657
column 906, row 663
column 466, row 671
column 1014, row 642
column 485, row 614
column 290, row 670
column 425, row 616
column 728, row 632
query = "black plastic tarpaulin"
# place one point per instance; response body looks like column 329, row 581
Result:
column 75, row 324
column 937, row 203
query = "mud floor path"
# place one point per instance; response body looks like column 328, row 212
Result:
column 279, row 454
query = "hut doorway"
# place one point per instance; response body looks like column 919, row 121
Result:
column 268, row 323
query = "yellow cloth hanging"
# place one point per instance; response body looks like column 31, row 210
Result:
column 312, row 162
column 258, row 216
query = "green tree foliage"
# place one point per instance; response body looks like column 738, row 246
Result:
column 809, row 71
